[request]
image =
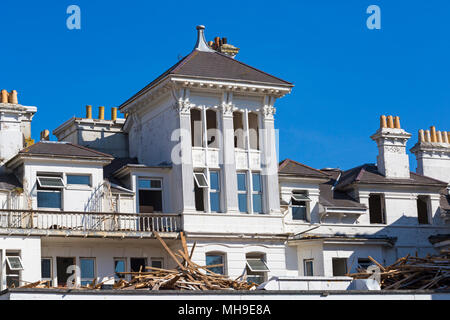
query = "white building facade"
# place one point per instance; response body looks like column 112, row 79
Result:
column 196, row 153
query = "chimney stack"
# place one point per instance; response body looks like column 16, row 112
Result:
column 89, row 112
column 114, row 114
column 45, row 135
column 433, row 154
column 13, row 97
column 392, row 160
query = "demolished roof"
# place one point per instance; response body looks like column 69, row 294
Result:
column 368, row 174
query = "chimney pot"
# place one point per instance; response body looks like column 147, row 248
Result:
column 383, row 123
column 439, row 136
column 421, row 136
column 427, row 136
column 390, row 121
column 224, row 40
column 101, row 113
column 45, row 135
column 433, row 134
column 89, row 112
column 445, row 137
column 5, row 96
column 114, row 114
column 13, row 97
column 397, row 122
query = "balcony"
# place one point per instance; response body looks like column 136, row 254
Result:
column 88, row 224
column 247, row 159
column 202, row 157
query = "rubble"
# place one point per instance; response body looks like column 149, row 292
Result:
column 412, row 273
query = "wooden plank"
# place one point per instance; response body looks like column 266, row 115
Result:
column 378, row 264
column 184, row 244
column 192, row 250
column 168, row 250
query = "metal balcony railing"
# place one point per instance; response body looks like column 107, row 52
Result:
column 89, row 221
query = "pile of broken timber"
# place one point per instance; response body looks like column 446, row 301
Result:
column 413, row 273
column 187, row 276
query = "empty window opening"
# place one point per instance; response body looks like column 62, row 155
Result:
column 238, row 124
column 256, row 268
column 212, row 130
column 200, row 185
column 150, row 195
column 299, row 205
column 46, row 269
column 423, row 203
column 138, row 264
column 214, row 192
column 87, row 271
column 376, row 208
column 62, row 267
column 339, row 267
column 14, row 266
column 253, row 127
column 157, row 263
column 364, row 263
column 196, row 128
column 216, row 262
column 242, row 192
column 308, row 267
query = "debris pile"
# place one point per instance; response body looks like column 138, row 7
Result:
column 412, row 273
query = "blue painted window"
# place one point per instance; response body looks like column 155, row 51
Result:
column 79, row 179
column 87, row 267
column 214, row 191
column 49, row 199
column 214, row 259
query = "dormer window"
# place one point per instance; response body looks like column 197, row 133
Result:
column 50, row 182
column 49, row 191
column 300, row 205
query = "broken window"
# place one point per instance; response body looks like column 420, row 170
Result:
column 308, row 267
column 256, row 268
column 299, row 205
column 422, row 209
column 238, row 124
column 87, row 269
column 364, row 263
column 62, row 267
column 253, row 127
column 196, row 128
column 211, row 129
column 376, row 209
column 150, row 195
column 339, row 267
column 216, row 261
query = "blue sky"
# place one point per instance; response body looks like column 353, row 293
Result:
column 345, row 75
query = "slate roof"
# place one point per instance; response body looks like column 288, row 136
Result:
column 368, row 174
column 62, row 149
column 335, row 198
column 215, row 65
column 294, row 168
column 8, row 181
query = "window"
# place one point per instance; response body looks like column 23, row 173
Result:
column 238, row 124
column 256, row 268
column 214, row 194
column 242, row 192
column 83, row 180
column 422, row 209
column 253, row 128
column 299, row 205
column 158, row 263
column 257, row 193
column 150, row 195
column 87, row 268
column 138, row 264
column 63, row 265
column 46, row 269
column 216, row 261
column 308, row 267
column 13, row 268
column 376, row 209
column 339, row 267
column 200, row 183
column 50, row 182
column 196, row 128
column 120, row 265
column 211, row 129
column 200, row 180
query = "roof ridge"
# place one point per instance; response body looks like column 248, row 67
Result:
column 90, row 150
column 286, row 161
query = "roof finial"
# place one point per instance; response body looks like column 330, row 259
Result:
column 201, row 44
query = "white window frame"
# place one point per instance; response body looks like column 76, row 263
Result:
column 157, row 259
column 50, row 191
column 78, row 175
column 218, row 191
column 151, row 179
column 221, row 254
column 305, row 261
column 260, row 260
column 257, row 192
column 38, row 178
column 125, row 264
column 197, row 181
column 246, row 191
column 21, row 268
column 95, row 269
column 51, row 269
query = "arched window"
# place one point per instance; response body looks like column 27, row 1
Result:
column 196, row 128
column 217, row 262
column 256, row 268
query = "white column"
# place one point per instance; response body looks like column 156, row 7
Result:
column 269, row 161
column 228, row 165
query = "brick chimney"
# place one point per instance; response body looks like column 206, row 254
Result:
column 432, row 153
column 392, row 159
